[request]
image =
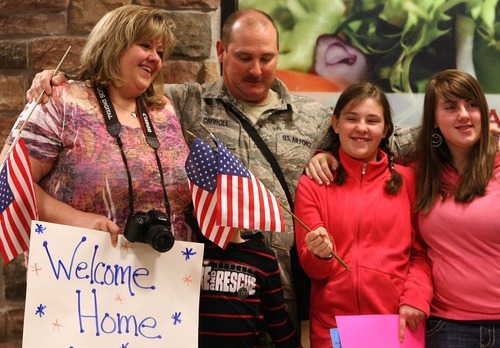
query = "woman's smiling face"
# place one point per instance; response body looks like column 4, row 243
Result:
column 140, row 64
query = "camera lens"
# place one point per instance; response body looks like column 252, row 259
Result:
column 160, row 238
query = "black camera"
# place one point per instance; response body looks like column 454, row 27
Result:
column 152, row 228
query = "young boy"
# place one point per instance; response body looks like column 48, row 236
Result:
column 242, row 296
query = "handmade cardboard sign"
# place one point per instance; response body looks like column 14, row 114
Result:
column 83, row 292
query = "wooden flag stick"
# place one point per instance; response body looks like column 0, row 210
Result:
column 206, row 130
column 16, row 139
column 292, row 214
column 54, row 73
column 335, row 256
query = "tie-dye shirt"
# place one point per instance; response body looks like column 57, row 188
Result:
column 88, row 172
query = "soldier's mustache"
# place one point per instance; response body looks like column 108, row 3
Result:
column 252, row 79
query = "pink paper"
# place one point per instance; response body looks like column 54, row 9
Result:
column 359, row 331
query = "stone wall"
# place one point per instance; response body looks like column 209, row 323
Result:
column 34, row 34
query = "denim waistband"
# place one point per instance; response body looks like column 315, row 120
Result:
column 472, row 322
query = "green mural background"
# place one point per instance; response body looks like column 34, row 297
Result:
column 398, row 44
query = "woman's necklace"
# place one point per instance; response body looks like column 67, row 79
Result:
column 132, row 113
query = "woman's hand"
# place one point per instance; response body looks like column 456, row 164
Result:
column 410, row 316
column 321, row 166
column 97, row 222
column 44, row 81
column 320, row 243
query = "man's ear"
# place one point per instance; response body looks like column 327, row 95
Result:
column 221, row 50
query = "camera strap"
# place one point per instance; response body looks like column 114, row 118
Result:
column 114, row 126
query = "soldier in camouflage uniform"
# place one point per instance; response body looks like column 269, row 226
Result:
column 291, row 126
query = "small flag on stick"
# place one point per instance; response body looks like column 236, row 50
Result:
column 17, row 193
column 17, row 203
column 226, row 195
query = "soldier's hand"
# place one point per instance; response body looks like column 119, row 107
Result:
column 321, row 167
column 44, row 81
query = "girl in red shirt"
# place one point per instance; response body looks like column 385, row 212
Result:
column 366, row 217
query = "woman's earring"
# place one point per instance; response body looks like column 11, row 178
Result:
column 437, row 139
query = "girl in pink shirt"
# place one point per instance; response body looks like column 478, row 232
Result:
column 458, row 200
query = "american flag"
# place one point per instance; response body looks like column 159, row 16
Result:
column 201, row 169
column 242, row 200
column 17, row 203
column 226, row 195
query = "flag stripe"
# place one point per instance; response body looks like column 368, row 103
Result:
column 246, row 202
column 262, row 218
column 265, row 207
column 22, row 204
column 22, row 187
column 240, row 189
column 7, row 247
column 233, row 195
column 222, row 208
column 257, row 202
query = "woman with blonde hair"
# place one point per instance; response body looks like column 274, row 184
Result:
column 96, row 158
